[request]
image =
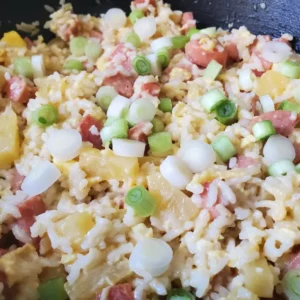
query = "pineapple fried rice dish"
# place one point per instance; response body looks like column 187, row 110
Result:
column 143, row 158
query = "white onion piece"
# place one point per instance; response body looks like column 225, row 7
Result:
column 64, row 144
column 275, row 51
column 296, row 93
column 141, row 110
column 163, row 42
column 145, row 28
column 115, row 18
column 150, row 257
column 245, row 80
column 38, row 66
column 267, row 103
column 176, row 172
column 197, row 155
column 118, row 107
column 128, row 148
column 156, row 69
column 278, row 148
column 41, row 177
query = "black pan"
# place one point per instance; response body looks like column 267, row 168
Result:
column 272, row 17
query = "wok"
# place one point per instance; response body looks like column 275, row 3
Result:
column 272, row 17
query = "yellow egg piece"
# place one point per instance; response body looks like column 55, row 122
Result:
column 13, row 39
column 271, row 83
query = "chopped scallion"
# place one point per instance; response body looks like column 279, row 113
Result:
column 192, row 31
column 289, row 69
column 52, row 289
column 160, row 143
column 290, row 106
column 163, row 57
column 105, row 95
column 179, row 42
column 224, row 148
column 142, row 65
column 77, row 45
column 45, row 116
column 291, row 284
column 281, row 167
column 135, row 15
column 133, row 39
column 73, row 64
column 117, row 129
column 110, row 120
column 142, row 202
column 141, row 110
column 210, row 31
column 213, row 70
column 226, row 112
column 263, row 130
column 23, row 66
column 297, row 168
column 210, row 100
column 180, row 294
column 165, row 105
column 158, row 125
column 93, row 50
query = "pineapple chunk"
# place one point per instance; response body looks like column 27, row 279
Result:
column 271, row 83
column 13, row 39
column 64, row 167
column 75, row 226
column 9, row 138
column 174, row 207
column 259, row 278
column 150, row 159
column 105, row 164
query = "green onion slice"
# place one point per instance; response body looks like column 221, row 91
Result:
column 105, row 95
column 210, row 100
column 77, row 45
column 226, row 112
column 263, row 130
column 110, row 120
column 213, row 70
column 160, row 143
column 289, row 69
column 45, row 116
column 133, row 39
column 210, row 31
column 291, row 284
column 163, row 57
column 179, row 42
column 52, row 289
column 23, row 66
column 73, row 64
column 117, row 129
column 158, row 125
column 141, row 110
column 135, row 15
column 142, row 65
column 290, row 106
column 281, row 167
column 224, row 148
column 180, row 294
column 297, row 168
column 165, row 105
column 93, row 50
column 142, row 202
column 191, row 32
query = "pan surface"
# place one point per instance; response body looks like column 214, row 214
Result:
column 272, row 17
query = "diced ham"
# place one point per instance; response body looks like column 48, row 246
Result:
column 96, row 35
column 294, row 262
column 122, row 57
column 87, row 133
column 29, row 42
column 16, row 181
column 152, row 88
column 149, row 2
column 18, row 90
column 188, row 21
column 232, row 51
column 121, row 292
column 297, row 150
column 245, row 161
column 283, row 121
column 69, row 30
column 201, row 57
column 140, row 132
column 204, row 199
column 122, row 84
column 29, row 209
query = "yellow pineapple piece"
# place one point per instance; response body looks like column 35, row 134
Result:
column 64, row 167
column 105, row 164
column 174, row 207
column 13, row 39
column 259, row 278
column 75, row 226
column 9, row 138
column 271, row 83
